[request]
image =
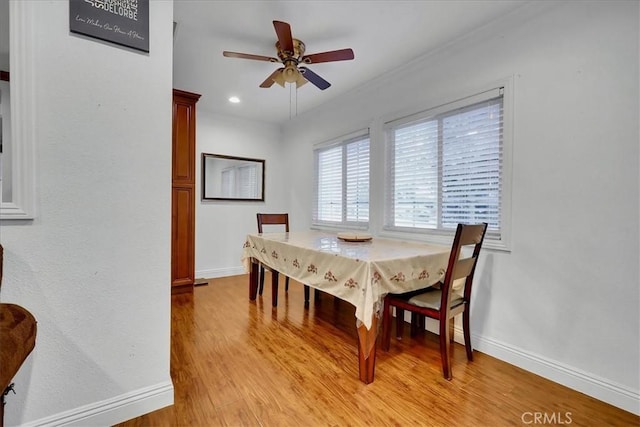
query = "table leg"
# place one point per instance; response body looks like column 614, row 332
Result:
column 274, row 288
column 253, row 281
column 367, row 350
column 306, row 296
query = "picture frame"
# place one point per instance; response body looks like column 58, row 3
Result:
column 232, row 178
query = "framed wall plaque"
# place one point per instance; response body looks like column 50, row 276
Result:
column 123, row 22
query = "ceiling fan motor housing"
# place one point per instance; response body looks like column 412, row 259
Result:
column 298, row 51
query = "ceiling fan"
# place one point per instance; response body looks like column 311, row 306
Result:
column 291, row 55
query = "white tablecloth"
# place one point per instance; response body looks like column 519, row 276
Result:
column 361, row 273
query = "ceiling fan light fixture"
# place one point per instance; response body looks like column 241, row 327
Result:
column 301, row 80
column 279, row 78
column 290, row 74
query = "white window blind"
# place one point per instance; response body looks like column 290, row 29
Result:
column 342, row 182
column 445, row 167
column 329, row 186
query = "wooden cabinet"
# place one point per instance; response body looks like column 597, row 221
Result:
column 183, row 187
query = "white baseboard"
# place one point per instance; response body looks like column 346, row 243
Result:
column 599, row 388
column 220, row 272
column 115, row 410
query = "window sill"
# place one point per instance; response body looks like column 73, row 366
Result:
column 442, row 239
column 336, row 228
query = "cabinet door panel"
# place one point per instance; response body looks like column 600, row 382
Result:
column 183, row 143
column 182, row 218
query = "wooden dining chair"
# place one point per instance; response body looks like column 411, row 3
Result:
column 271, row 219
column 276, row 219
column 441, row 302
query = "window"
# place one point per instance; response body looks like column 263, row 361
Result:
column 342, row 182
column 445, row 166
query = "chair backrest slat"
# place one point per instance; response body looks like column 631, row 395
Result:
column 472, row 234
column 463, row 268
column 273, row 219
column 460, row 268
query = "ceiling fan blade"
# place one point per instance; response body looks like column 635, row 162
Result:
column 249, row 56
column 283, row 30
column 334, row 55
column 271, row 79
column 318, row 81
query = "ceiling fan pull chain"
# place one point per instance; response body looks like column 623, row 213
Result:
column 290, row 85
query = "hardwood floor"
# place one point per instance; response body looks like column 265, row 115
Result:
column 241, row 363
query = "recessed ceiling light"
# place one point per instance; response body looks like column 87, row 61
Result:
column 234, row 99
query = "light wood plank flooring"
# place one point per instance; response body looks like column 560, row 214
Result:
column 241, row 363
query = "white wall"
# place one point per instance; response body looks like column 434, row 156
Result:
column 565, row 301
column 94, row 266
column 221, row 226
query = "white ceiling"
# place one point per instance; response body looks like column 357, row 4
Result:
column 384, row 35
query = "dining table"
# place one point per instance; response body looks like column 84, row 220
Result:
column 357, row 268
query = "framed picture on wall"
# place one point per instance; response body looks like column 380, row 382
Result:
column 232, row 178
column 123, row 22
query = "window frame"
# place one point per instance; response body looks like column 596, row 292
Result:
column 328, row 145
column 441, row 236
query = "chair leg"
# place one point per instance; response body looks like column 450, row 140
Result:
column 261, row 285
column 417, row 323
column 274, row 288
column 415, row 318
column 399, row 322
column 451, row 328
column 445, row 347
column 306, row 295
column 467, row 333
column 286, row 284
column 386, row 326
column 316, row 294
